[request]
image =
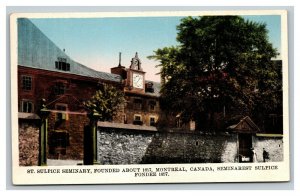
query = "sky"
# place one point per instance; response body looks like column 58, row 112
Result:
column 96, row 42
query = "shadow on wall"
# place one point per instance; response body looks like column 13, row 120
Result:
column 88, row 146
column 128, row 147
column 184, row 148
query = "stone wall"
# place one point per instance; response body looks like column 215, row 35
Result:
column 190, row 148
column 28, row 143
column 273, row 145
column 117, row 146
column 122, row 147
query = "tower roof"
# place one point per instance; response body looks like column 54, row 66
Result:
column 136, row 63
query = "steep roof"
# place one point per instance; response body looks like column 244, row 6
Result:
column 36, row 50
column 245, row 125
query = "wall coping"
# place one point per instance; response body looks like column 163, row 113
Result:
column 23, row 115
column 131, row 127
column 106, row 124
column 268, row 135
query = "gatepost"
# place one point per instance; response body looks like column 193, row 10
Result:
column 44, row 113
column 94, row 117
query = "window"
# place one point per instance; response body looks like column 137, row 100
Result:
column 152, row 105
column 59, row 88
column 27, row 106
column 152, row 121
column 178, row 122
column 124, row 119
column 61, row 64
column 149, row 87
column 138, row 104
column 137, row 119
column 26, row 83
column 61, row 116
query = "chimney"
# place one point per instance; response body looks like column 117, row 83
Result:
column 119, row 70
column 120, row 59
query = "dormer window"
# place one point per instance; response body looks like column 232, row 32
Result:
column 149, row 87
column 61, row 64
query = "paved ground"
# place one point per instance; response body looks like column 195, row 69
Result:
column 56, row 162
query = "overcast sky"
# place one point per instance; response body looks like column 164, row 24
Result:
column 96, row 42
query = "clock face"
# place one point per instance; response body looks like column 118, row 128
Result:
column 137, row 80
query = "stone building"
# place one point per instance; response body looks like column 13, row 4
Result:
column 142, row 96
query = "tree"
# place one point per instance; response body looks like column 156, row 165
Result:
column 221, row 63
column 107, row 101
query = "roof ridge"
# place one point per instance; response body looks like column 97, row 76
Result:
column 94, row 69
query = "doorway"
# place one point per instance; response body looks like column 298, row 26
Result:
column 245, row 144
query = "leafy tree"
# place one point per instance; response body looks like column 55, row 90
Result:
column 221, row 63
column 107, row 101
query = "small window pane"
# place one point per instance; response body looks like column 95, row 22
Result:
column 152, row 121
column 26, row 82
column 27, row 106
column 137, row 118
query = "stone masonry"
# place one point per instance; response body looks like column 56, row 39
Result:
column 116, row 146
column 28, row 143
column 273, row 145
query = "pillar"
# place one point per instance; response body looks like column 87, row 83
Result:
column 44, row 113
column 94, row 117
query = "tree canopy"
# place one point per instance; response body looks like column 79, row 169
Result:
column 221, row 63
column 107, row 101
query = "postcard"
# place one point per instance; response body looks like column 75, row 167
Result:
column 150, row 97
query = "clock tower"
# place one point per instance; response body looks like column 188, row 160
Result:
column 136, row 76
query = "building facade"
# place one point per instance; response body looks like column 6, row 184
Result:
column 142, row 96
column 48, row 77
column 46, row 73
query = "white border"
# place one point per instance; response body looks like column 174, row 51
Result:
column 21, row 177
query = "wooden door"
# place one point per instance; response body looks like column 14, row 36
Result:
column 245, row 144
